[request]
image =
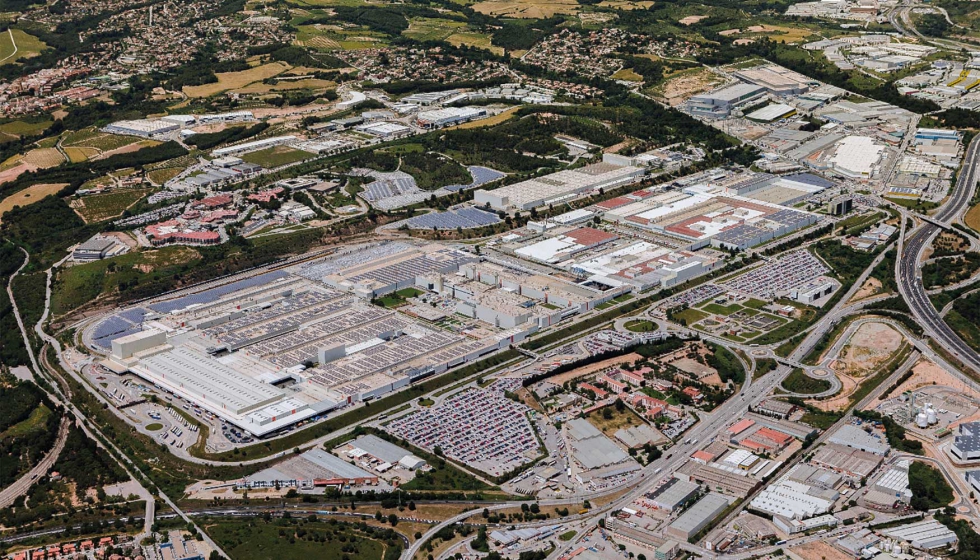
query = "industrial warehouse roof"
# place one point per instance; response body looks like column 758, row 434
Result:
column 674, row 493
column 380, row 449
column 700, row 514
column 856, row 438
column 315, row 463
column 926, row 535
column 592, row 449
column 215, row 382
column 772, row 112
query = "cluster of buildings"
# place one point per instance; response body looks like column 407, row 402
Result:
column 859, row 10
column 585, row 53
column 45, row 90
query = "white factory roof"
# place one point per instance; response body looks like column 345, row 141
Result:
column 857, row 155
column 856, row 438
column 254, row 145
column 143, row 125
column 382, row 128
column 926, row 535
column 208, row 380
column 548, row 250
column 563, row 183
column 790, row 499
column 772, row 112
column 896, row 479
column 732, row 93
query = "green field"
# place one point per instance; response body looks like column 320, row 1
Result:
column 432, row 29
column 156, row 426
column 689, row 316
column 27, row 46
column 22, row 127
column 270, row 158
column 38, row 418
column 101, row 207
column 799, row 382
column 641, row 326
column 285, row 539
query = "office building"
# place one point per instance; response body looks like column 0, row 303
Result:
column 720, row 103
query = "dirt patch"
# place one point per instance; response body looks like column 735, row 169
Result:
column 680, row 88
column 527, row 9
column 870, row 288
column 819, row 550
column 123, row 238
column 13, row 172
column 972, row 218
column 235, row 80
column 593, row 368
column 925, row 372
column 871, row 345
column 691, row 20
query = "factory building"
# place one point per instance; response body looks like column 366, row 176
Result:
column 720, row 103
column 385, row 130
column 854, row 437
column 699, row 516
column 924, row 535
column 674, row 494
column 793, row 526
column 966, row 442
column 557, row 187
column 777, row 80
column 142, row 127
column 814, row 290
column 448, row 116
column 254, row 145
column 794, row 500
column 384, row 451
column 314, row 468
column 98, row 248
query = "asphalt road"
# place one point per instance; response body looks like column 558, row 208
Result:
column 908, row 272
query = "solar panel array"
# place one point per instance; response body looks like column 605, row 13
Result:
column 383, row 358
column 388, row 185
column 460, row 218
column 481, row 176
column 347, row 328
column 439, row 261
column 288, row 314
column 316, row 270
column 215, row 294
column 117, row 326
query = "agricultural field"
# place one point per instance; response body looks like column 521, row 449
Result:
column 432, row 29
column 15, row 45
column 22, row 127
column 312, row 84
column 526, row 9
column 333, row 37
column 627, row 74
column 90, row 143
column 271, row 158
column 43, row 157
column 627, row 4
column 101, row 207
column 473, row 39
column 237, row 80
column 161, row 176
column 29, row 195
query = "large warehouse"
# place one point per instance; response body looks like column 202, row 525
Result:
column 558, row 187
column 697, row 517
column 142, row 127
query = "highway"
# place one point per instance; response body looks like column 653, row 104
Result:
column 908, row 272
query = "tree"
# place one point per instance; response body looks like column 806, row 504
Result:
column 392, row 519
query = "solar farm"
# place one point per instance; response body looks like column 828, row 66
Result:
column 396, row 189
column 481, row 176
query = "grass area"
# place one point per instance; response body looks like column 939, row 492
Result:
column 283, row 539
column 972, row 218
column 236, row 80
column 432, row 29
column 101, row 207
column 526, row 9
column 567, row 535
column 22, row 127
column 641, row 326
column 492, row 121
column 29, row 195
column 799, row 382
column 78, row 285
column 627, row 74
column 916, row 204
column 154, row 427
column 820, row 419
column 426, row 402
column 37, row 420
column 27, row 46
column 161, row 176
column 611, row 418
column 476, row 40
column 277, row 156
column 689, row 316
column 969, row 332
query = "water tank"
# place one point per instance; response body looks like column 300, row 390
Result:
column 931, row 416
column 922, row 420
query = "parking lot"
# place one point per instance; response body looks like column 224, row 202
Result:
column 779, row 276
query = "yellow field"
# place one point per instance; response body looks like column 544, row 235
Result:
column 972, row 218
column 478, row 40
column 627, row 5
column 44, row 157
column 494, row 120
column 161, row 176
column 237, row 80
column 627, row 74
column 781, row 34
column 29, row 195
column 528, row 9
column 77, row 155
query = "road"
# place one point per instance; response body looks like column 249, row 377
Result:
column 24, row 483
column 908, row 273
